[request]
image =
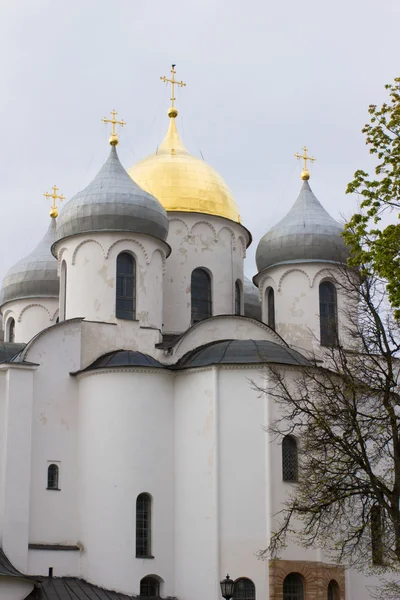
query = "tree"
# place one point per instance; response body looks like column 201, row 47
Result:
column 371, row 244
column 346, row 415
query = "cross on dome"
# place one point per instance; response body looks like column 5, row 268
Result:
column 173, row 112
column 114, row 135
column 305, row 174
column 53, row 209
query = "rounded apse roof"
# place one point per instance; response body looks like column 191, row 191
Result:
column 35, row 276
column 306, row 233
column 113, row 202
column 182, row 182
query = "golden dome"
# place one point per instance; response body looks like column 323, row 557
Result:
column 182, row 182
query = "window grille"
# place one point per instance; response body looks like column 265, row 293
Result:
column 149, row 587
column 293, row 588
column 52, row 477
column 271, row 308
column 143, row 525
column 289, row 459
column 201, row 295
column 244, row 589
column 328, row 314
column 376, row 535
column 237, row 298
column 11, row 330
column 126, row 287
column 333, row 591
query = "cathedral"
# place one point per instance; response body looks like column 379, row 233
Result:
column 134, row 457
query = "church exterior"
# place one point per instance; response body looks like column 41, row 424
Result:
column 133, row 453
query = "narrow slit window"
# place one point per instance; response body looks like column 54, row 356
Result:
column 377, row 535
column 333, row 590
column 52, row 477
column 63, row 291
column 143, row 526
column 237, row 298
column 271, row 308
column 126, row 287
column 289, row 459
column 201, row 295
column 328, row 314
column 11, row 330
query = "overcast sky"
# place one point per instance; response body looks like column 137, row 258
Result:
column 263, row 79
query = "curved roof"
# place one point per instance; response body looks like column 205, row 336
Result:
column 113, row 202
column 239, row 352
column 35, row 276
column 307, row 232
column 183, row 182
column 252, row 306
column 124, row 358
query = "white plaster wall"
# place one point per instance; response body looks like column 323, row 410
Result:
column 31, row 315
column 296, row 288
column 65, row 563
column 12, row 588
column 54, row 514
column 91, row 275
column 126, row 447
column 214, row 243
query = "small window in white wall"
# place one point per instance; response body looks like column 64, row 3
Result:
column 149, row 587
column 271, row 308
column 238, row 297
column 10, row 330
column 244, row 589
column 53, row 476
column 63, row 291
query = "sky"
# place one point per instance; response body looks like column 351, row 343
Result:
column 263, row 80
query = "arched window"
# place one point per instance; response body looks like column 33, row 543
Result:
column 143, row 526
column 63, row 291
column 293, row 588
column 238, row 298
column 201, row 295
column 125, row 307
column 52, row 477
column 271, row 308
column 328, row 314
column 11, row 330
column 149, row 587
column 244, row 589
column 289, row 459
column 333, row 590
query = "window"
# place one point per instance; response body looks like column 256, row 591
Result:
column 126, row 287
column 11, row 330
column 289, row 459
column 271, row 308
column 328, row 314
column 149, row 587
column 244, row 589
column 201, row 295
column 376, row 535
column 293, row 588
column 63, row 291
column 333, row 591
column 52, row 477
column 143, row 526
column 237, row 297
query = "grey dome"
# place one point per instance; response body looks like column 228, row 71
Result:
column 113, row 202
column 252, row 306
column 35, row 276
column 306, row 233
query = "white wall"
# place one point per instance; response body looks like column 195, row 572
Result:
column 91, row 275
column 12, row 588
column 126, row 448
column 214, row 243
column 31, row 315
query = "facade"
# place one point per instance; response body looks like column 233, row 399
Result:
column 133, row 455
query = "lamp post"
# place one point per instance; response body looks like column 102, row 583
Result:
column 227, row 588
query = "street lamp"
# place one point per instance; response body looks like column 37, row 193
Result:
column 227, row 588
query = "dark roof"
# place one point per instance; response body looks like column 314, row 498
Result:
column 72, row 588
column 123, row 358
column 240, row 352
column 9, row 349
column 6, row 568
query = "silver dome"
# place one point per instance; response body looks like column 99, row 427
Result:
column 113, row 202
column 252, row 306
column 35, row 276
column 306, row 233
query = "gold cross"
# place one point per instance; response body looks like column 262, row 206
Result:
column 114, row 135
column 53, row 209
column 305, row 173
column 172, row 111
